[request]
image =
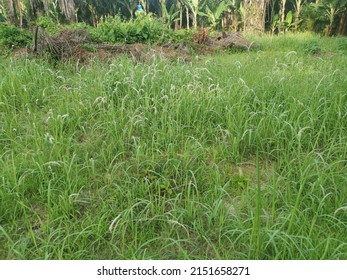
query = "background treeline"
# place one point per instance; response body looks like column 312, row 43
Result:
column 327, row 17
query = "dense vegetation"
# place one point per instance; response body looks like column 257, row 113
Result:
column 323, row 16
column 240, row 156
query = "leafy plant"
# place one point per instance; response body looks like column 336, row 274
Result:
column 322, row 16
column 288, row 24
column 47, row 23
column 312, row 48
column 3, row 13
column 13, row 37
column 341, row 43
column 169, row 16
column 144, row 29
column 182, row 35
column 214, row 17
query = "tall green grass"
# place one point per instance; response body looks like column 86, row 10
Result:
column 237, row 156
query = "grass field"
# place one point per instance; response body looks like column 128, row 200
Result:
column 233, row 156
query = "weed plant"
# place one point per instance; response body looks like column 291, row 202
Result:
column 142, row 29
column 237, row 156
column 12, row 37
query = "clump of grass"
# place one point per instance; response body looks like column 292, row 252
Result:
column 227, row 157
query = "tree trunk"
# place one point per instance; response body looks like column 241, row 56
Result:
column 245, row 16
column 37, row 8
column 283, row 10
column 187, row 17
column 195, row 21
column 178, row 23
column 254, row 18
column 160, row 8
column 343, row 24
column 145, row 6
column 45, row 6
column 19, row 12
column 11, row 12
column 15, row 12
column 68, row 9
column 329, row 28
column 298, row 7
column 181, row 17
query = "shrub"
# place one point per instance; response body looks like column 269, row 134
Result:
column 48, row 24
column 13, row 37
column 341, row 43
column 312, row 47
column 143, row 29
column 182, row 35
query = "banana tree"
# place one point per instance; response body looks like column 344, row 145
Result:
column 298, row 8
column 214, row 17
column 328, row 11
column 184, row 6
column 130, row 5
column 332, row 8
column 169, row 16
column 194, row 6
column 179, row 8
column 342, row 30
column 232, row 14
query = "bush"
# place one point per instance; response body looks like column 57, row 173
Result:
column 13, row 37
column 312, row 47
column 341, row 43
column 143, row 29
column 48, row 24
column 183, row 35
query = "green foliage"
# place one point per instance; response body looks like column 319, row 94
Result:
column 313, row 18
column 143, row 29
column 89, row 48
column 287, row 25
column 13, row 37
column 322, row 17
column 169, row 16
column 78, row 25
column 47, row 23
column 341, row 43
column 214, row 17
column 182, row 35
column 312, row 47
column 3, row 13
